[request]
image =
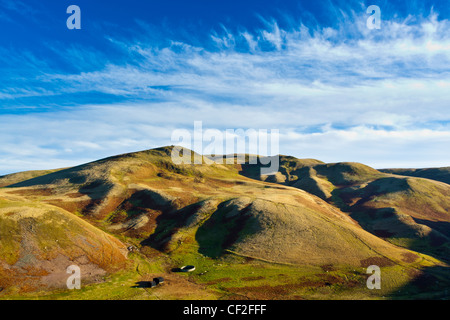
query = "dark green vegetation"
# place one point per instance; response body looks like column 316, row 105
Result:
column 307, row 232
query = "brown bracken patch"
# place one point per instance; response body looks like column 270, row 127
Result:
column 265, row 292
column 33, row 192
column 71, row 206
column 252, row 278
column 328, row 267
column 377, row 261
column 414, row 273
column 409, row 257
column 75, row 195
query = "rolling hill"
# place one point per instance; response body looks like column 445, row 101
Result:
column 39, row 242
column 438, row 174
column 13, row 178
column 408, row 211
column 308, row 216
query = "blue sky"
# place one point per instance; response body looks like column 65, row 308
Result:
column 137, row 70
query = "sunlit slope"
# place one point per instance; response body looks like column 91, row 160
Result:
column 38, row 242
column 295, row 233
column 308, row 216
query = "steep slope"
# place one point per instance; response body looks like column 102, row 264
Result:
column 14, row 178
column 411, row 212
column 308, row 180
column 38, row 243
column 290, row 233
column 94, row 189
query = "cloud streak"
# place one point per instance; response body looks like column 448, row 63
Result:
column 344, row 93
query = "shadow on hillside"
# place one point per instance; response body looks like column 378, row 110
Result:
column 437, row 174
column 441, row 226
column 432, row 283
column 52, row 178
column 373, row 189
column 168, row 224
column 144, row 284
column 253, row 168
column 96, row 189
column 216, row 232
column 220, row 231
column 210, row 236
column 435, row 244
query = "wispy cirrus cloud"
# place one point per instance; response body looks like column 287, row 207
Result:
column 301, row 56
column 344, row 93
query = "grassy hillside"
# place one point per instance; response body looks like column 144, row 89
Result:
column 411, row 212
column 293, row 235
column 14, row 178
column 38, row 243
column 438, row 174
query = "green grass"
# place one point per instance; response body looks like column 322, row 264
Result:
column 233, row 274
column 236, row 275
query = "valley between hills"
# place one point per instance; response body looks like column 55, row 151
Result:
column 307, row 232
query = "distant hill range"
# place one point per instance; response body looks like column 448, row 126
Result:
column 438, row 174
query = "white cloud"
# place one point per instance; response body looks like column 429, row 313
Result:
column 373, row 147
column 388, row 92
column 94, row 132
